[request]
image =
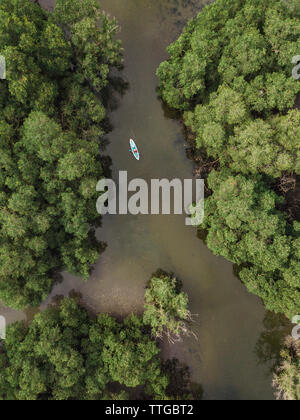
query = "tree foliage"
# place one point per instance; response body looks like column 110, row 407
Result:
column 230, row 74
column 287, row 376
column 166, row 307
column 245, row 226
column 52, row 116
column 65, row 354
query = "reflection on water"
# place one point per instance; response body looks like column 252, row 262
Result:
column 175, row 13
column 230, row 320
column 268, row 347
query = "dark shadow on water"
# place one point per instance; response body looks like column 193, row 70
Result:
column 169, row 113
column 106, row 162
column 180, row 385
column 202, row 235
column 175, row 11
column 268, row 347
column 104, row 144
column 113, row 93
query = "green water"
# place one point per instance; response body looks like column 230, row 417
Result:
column 229, row 320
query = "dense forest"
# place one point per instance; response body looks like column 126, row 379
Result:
column 66, row 354
column 230, row 77
column 52, row 117
column 230, row 73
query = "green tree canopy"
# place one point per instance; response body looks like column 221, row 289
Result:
column 64, row 354
column 166, row 307
column 245, row 227
column 52, row 118
column 230, row 71
column 287, row 376
column 230, row 75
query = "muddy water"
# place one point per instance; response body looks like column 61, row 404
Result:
column 230, row 320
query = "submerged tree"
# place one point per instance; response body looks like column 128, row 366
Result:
column 166, row 308
column 287, row 376
column 52, row 118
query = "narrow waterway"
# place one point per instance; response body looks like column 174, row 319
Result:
column 230, row 320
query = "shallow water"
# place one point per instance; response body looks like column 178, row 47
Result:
column 230, row 320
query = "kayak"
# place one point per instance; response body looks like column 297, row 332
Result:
column 134, row 149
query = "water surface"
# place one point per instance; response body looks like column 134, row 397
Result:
column 230, row 320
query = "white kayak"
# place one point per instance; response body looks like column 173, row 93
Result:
column 134, row 149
